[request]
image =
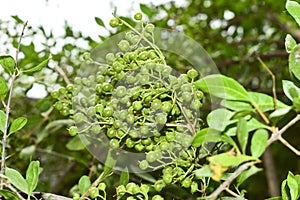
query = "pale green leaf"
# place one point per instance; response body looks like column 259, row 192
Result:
column 259, row 142
column 206, row 135
column 37, row 68
column 204, row 171
column 237, row 105
column 284, row 193
column 8, row 63
column 2, row 121
column 294, row 61
column 293, row 186
column 242, row 134
column 75, row 144
column 246, row 174
column 124, row 177
column 220, row 118
column 16, row 179
column 8, row 195
column 32, row 176
column 3, row 88
column 280, row 112
column 264, row 101
column 290, row 43
column 223, row 87
column 84, row 184
column 228, row 159
column 290, row 90
column 294, row 9
column 17, row 124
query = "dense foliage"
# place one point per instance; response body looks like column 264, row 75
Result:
column 146, row 114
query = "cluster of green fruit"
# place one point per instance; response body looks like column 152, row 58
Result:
column 140, row 104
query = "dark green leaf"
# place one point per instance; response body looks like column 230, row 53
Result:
column 84, row 184
column 17, row 124
column 8, row 195
column 2, row 121
column 227, row 159
column 284, row 192
column 293, row 186
column 294, row 61
column 294, row 9
column 147, row 10
column 290, row 43
column 246, row 174
column 223, row 87
column 32, row 176
column 75, row 144
column 37, row 68
column 18, row 20
column 242, row 134
column 229, row 140
column 219, row 119
column 3, row 88
column 110, row 162
column 16, row 179
column 99, row 21
column 290, row 90
column 259, row 142
column 124, row 178
column 8, row 63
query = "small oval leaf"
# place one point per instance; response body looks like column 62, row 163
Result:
column 8, row 63
column 294, row 9
column 99, row 21
column 17, row 124
column 290, row 43
column 294, row 61
column 84, row 184
column 37, row 68
column 32, row 176
column 16, row 179
column 2, row 121
column 3, row 88
column 259, row 142
column 242, row 134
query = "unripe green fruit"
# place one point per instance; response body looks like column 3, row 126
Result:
column 96, row 128
column 107, row 112
column 186, row 183
column 194, row 187
column 114, row 22
column 124, row 45
column 73, row 130
column 138, row 16
column 144, row 188
column 167, row 178
column 159, row 185
column 137, row 105
column 78, row 117
column 55, row 94
column 94, row 192
column 144, row 165
column 102, row 186
column 129, row 143
column 114, row 144
column 157, row 197
column 121, row 190
column 149, row 28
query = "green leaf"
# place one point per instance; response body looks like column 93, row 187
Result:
column 84, row 184
column 259, row 142
column 75, row 144
column 37, row 68
column 280, row 112
column 229, row 140
column 17, row 18
column 294, row 9
column 99, row 21
column 8, row 195
column 17, row 124
column 293, row 186
column 32, row 176
column 290, row 90
column 227, row 159
column 16, row 179
column 246, row 174
column 110, row 162
column 2, row 121
column 242, row 134
column 223, row 87
column 8, row 63
column 265, row 102
column 290, row 43
column 147, row 10
column 284, row 193
column 206, row 135
column 3, row 88
column 219, row 119
column 204, row 171
column 237, row 105
column 294, row 61
column 124, row 178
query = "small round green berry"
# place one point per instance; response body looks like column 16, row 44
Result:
column 73, row 130
column 192, row 74
column 151, row 156
column 76, row 196
column 94, row 192
column 167, row 178
column 194, row 187
column 149, row 28
column 129, row 143
column 102, row 186
column 114, row 144
column 144, row 165
column 144, row 188
column 95, row 129
column 111, row 132
column 54, row 94
column 186, row 183
column 157, row 197
column 159, row 185
column 107, row 112
column 78, row 117
column 114, row 22
column 138, row 16
column 124, row 45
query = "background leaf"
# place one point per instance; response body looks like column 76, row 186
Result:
column 124, row 178
column 99, row 21
column 2, row 120
column 8, row 63
column 223, row 87
column 32, row 176
column 8, row 195
column 264, row 101
column 228, row 160
column 290, row 43
column 37, row 68
column 16, row 179
column 293, row 186
column 246, row 174
column 219, row 119
column 84, row 184
column 3, row 88
column 17, row 124
column 259, row 142
column 290, row 90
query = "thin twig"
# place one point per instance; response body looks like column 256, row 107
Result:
column 61, row 72
column 288, row 145
column 273, row 82
column 231, row 178
column 260, row 112
column 7, row 107
column 232, row 193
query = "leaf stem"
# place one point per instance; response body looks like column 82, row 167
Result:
column 260, row 112
column 7, row 107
